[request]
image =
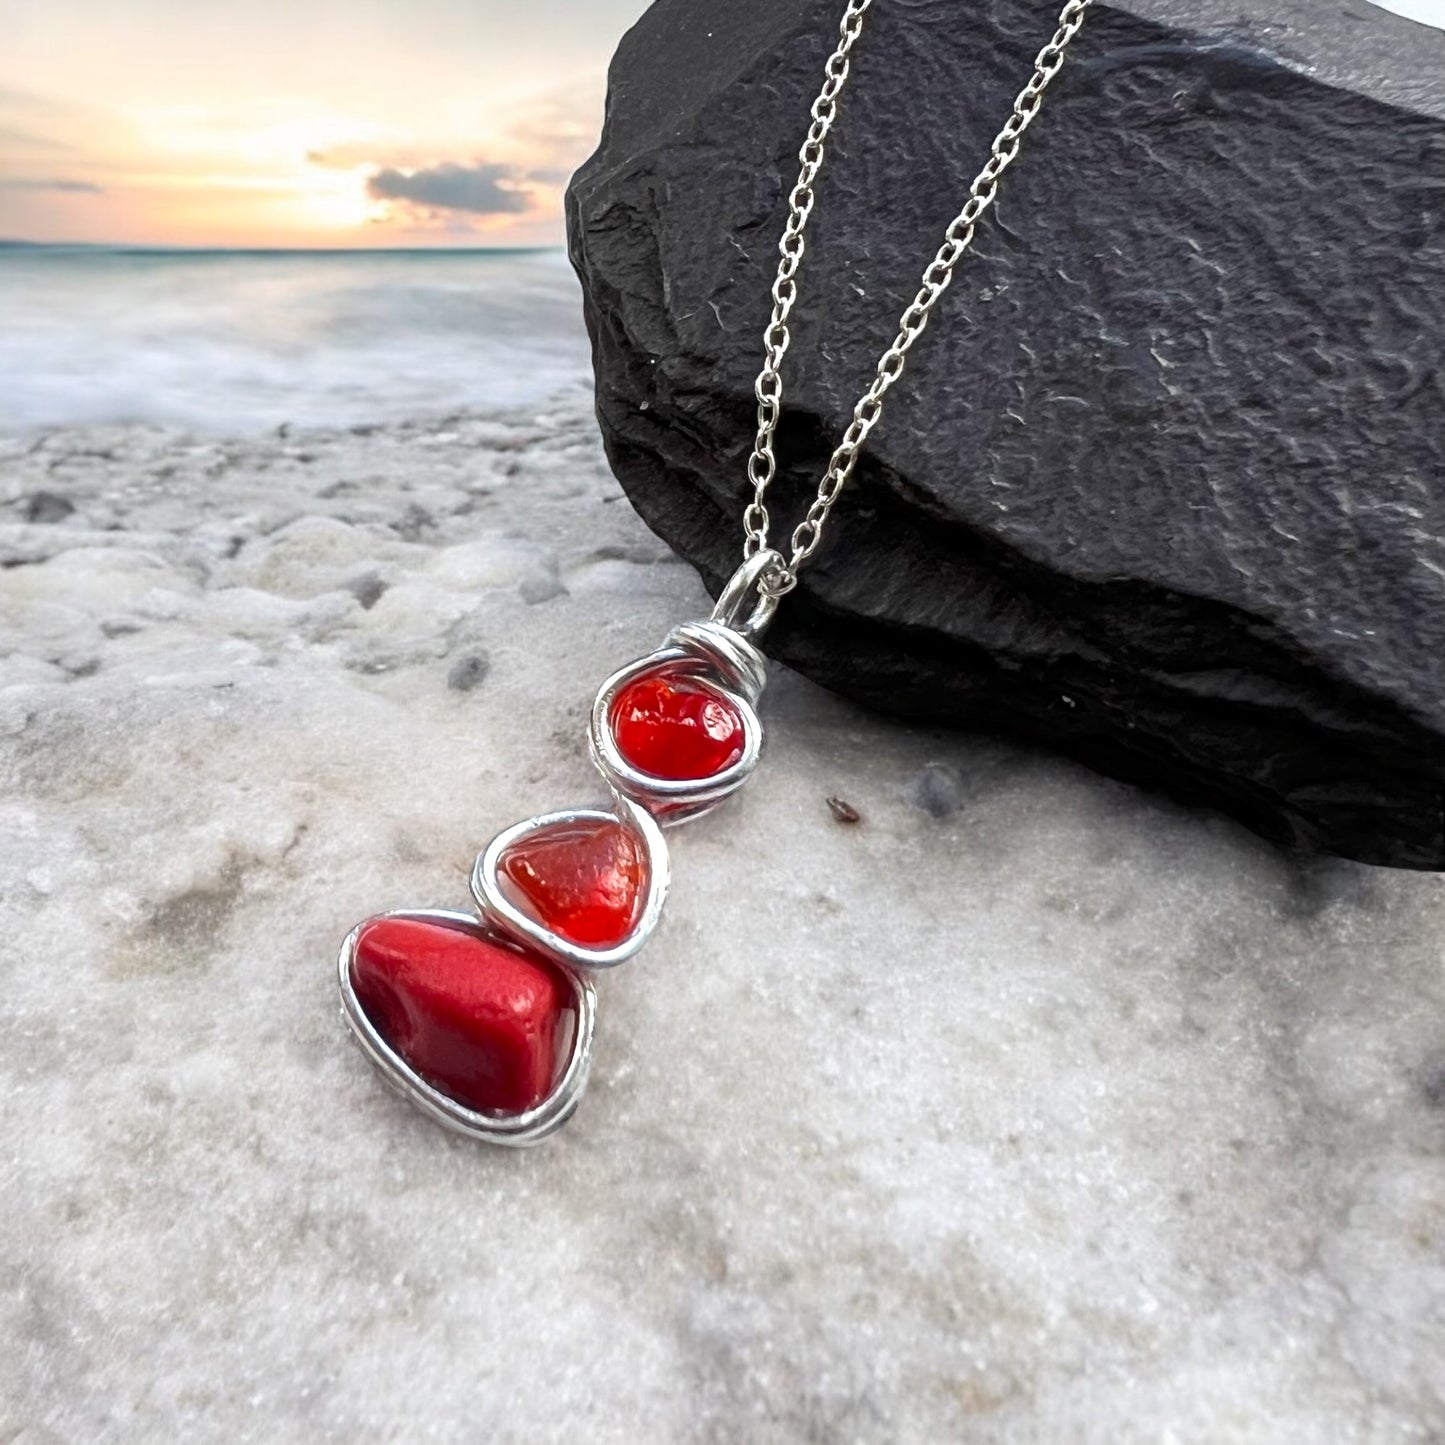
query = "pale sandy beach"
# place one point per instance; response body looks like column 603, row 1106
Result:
column 961, row 1096
column 1028, row 1108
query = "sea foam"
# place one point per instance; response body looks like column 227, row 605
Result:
column 237, row 342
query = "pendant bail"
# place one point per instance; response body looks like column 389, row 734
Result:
column 746, row 594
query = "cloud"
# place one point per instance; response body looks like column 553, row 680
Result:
column 342, row 157
column 49, row 183
column 13, row 138
column 483, row 189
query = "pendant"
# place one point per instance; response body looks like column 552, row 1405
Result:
column 484, row 1019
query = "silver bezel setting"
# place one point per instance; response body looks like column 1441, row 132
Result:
column 498, row 909
column 676, row 800
column 529, row 1127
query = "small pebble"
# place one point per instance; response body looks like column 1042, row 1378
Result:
column 467, row 672
column 367, row 590
column 938, row 790
column 47, row 507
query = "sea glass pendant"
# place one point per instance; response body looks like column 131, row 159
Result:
column 484, row 1020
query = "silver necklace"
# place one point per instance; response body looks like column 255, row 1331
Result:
column 484, row 1020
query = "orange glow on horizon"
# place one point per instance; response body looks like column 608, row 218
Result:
column 418, row 123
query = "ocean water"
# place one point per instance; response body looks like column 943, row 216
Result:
column 236, row 342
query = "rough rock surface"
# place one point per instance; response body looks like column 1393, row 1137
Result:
column 1163, row 484
column 1026, row 1108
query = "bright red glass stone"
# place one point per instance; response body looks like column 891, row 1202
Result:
column 669, row 725
column 585, row 881
column 487, row 1024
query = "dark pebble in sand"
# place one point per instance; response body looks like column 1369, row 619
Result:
column 367, row 591
column 47, row 507
column 938, row 790
column 416, row 521
column 467, row 672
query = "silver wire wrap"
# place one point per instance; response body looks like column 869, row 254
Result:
column 529, row 1127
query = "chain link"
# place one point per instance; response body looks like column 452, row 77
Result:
column 958, row 237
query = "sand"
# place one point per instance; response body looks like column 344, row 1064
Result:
column 1026, row 1108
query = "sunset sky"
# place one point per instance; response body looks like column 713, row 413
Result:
column 305, row 122
column 298, row 122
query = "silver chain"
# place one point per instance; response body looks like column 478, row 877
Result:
column 958, row 237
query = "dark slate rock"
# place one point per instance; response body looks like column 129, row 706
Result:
column 1163, row 486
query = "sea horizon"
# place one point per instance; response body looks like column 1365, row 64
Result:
column 151, row 248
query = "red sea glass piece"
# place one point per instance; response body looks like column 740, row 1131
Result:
column 486, row 1023
column 669, row 725
column 584, row 880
